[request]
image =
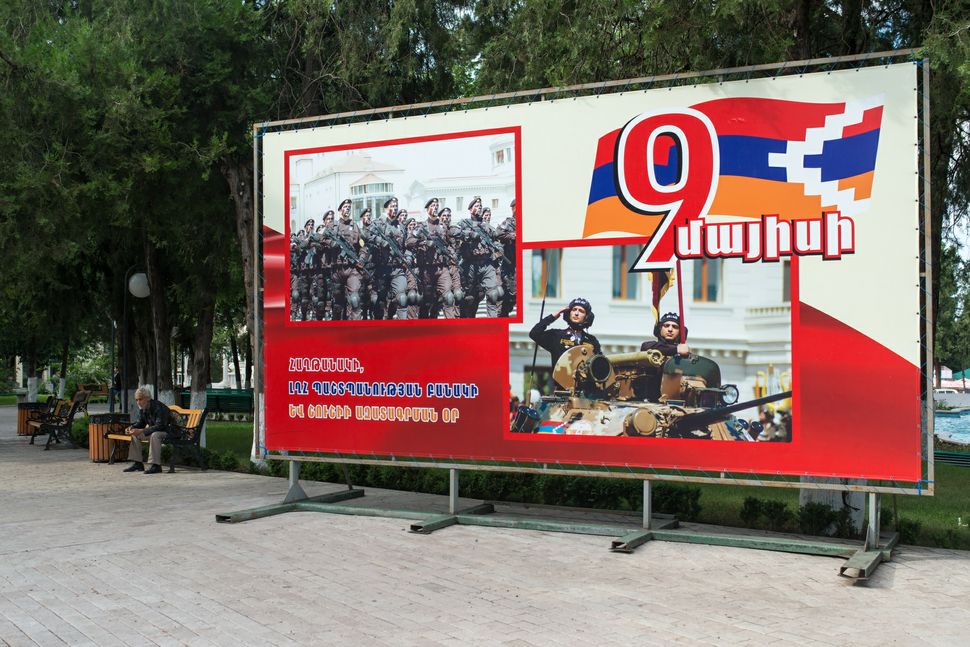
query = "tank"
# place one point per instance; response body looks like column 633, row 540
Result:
column 643, row 395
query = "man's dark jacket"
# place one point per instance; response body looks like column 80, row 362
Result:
column 155, row 417
column 560, row 340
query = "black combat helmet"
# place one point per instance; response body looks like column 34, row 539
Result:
column 669, row 316
column 585, row 305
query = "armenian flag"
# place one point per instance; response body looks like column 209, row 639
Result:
column 776, row 157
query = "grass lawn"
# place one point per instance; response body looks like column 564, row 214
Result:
column 236, row 437
column 8, row 399
column 937, row 515
column 941, row 517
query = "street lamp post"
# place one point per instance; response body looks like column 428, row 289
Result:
column 114, row 367
column 137, row 284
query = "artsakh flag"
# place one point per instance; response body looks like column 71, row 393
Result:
column 786, row 158
column 660, row 282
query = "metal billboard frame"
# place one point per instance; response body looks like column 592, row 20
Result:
column 925, row 486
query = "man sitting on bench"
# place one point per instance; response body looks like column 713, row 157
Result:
column 153, row 421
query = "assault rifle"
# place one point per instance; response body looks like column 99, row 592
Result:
column 392, row 244
column 440, row 246
column 347, row 250
column 497, row 248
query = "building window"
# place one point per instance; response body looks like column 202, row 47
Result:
column 459, row 204
column 707, row 279
column 499, row 156
column 494, row 203
column 786, row 281
column 626, row 284
column 546, row 272
column 377, row 187
column 375, row 203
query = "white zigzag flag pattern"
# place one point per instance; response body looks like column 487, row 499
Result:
column 793, row 159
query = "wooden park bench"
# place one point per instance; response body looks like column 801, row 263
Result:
column 94, row 389
column 184, row 433
column 57, row 424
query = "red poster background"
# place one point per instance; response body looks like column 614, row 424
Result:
column 840, row 428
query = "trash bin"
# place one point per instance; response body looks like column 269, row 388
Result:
column 27, row 411
column 99, row 425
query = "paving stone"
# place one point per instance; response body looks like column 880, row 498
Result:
column 91, row 555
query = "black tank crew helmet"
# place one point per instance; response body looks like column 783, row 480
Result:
column 585, row 305
column 669, row 316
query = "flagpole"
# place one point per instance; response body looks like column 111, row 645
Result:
column 535, row 353
column 680, row 303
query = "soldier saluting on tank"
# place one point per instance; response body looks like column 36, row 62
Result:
column 578, row 316
column 435, row 257
column 480, row 278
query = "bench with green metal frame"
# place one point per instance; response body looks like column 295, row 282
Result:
column 184, row 433
column 57, row 424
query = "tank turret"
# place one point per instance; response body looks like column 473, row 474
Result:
column 603, row 395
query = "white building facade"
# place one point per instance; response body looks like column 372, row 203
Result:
column 737, row 314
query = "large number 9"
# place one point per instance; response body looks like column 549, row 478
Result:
column 689, row 196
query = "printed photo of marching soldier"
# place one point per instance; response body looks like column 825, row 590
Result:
column 404, row 265
column 429, row 253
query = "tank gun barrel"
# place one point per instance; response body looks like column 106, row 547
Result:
column 702, row 419
column 639, row 359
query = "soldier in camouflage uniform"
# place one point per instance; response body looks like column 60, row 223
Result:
column 389, row 242
column 295, row 254
column 368, row 288
column 318, row 298
column 506, row 237
column 300, row 289
column 320, row 268
column 415, row 289
column 343, row 239
column 480, row 260
column 454, row 244
column 435, row 259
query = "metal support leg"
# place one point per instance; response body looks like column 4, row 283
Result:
column 295, row 491
column 872, row 533
column 647, row 505
column 350, row 486
column 452, row 491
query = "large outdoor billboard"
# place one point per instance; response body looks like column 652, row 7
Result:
column 714, row 278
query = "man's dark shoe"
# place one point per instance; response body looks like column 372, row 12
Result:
column 154, row 469
column 134, row 467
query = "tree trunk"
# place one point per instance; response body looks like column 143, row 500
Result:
column 802, row 46
column 31, row 373
column 853, row 35
column 62, row 382
column 141, row 350
column 234, row 346
column 239, row 177
column 201, row 347
column 249, row 362
column 160, row 327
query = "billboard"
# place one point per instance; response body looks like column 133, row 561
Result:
column 710, row 278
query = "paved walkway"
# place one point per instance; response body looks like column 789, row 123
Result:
column 93, row 556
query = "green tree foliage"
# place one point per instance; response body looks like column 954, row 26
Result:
column 129, row 134
column 541, row 43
